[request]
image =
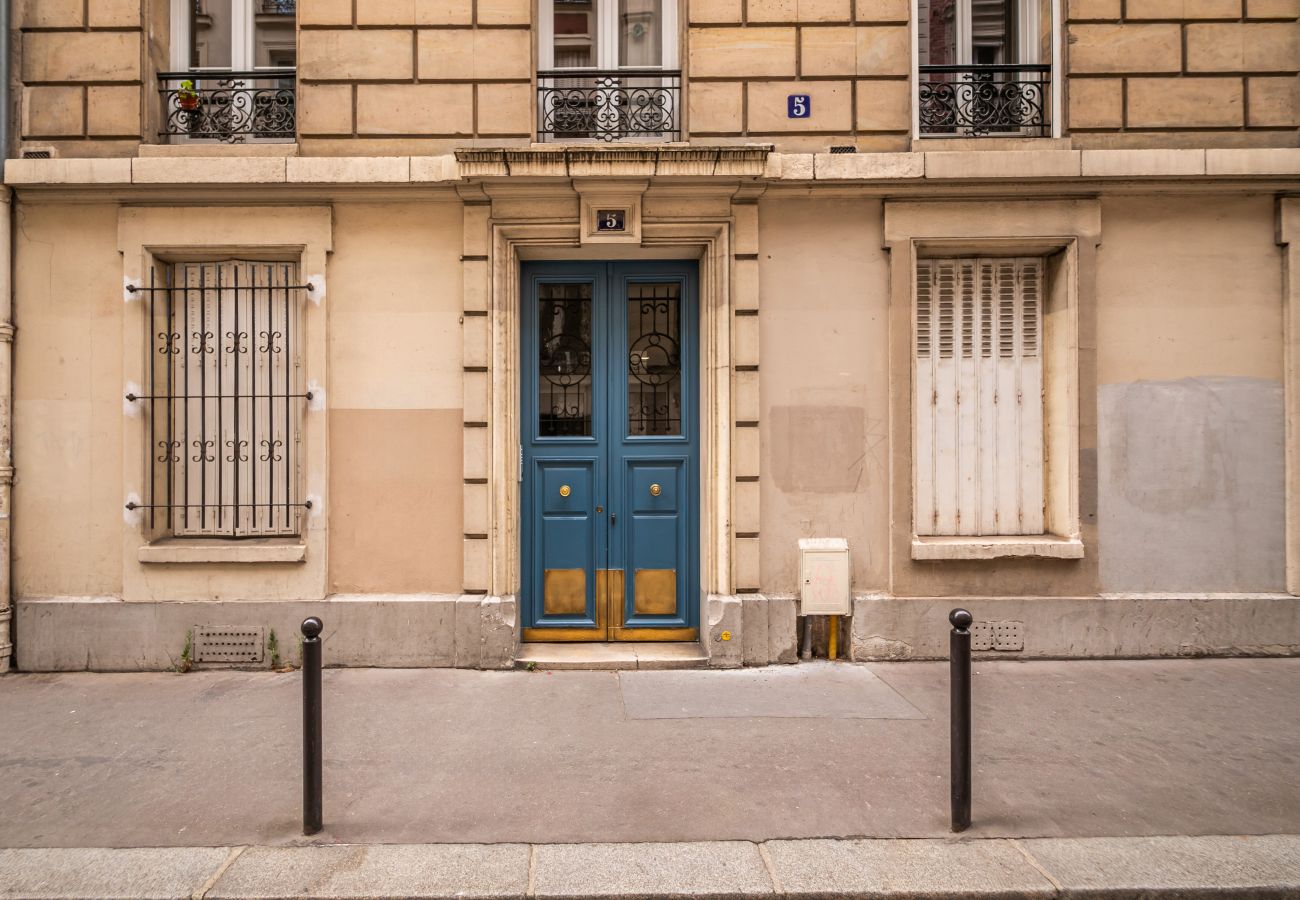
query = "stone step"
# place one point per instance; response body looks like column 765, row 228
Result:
column 612, row 656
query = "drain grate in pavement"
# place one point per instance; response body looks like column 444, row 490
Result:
column 803, row 691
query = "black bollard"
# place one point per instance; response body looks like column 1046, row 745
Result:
column 959, row 655
column 312, row 820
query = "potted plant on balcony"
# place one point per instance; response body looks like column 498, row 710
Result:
column 187, row 98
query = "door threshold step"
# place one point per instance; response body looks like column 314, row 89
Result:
column 609, row 656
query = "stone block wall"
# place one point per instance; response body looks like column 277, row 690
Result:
column 82, row 69
column 414, row 76
column 1184, row 73
column 852, row 58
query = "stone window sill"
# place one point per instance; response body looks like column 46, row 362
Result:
column 258, row 550
column 1044, row 546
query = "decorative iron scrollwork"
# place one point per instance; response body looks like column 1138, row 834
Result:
column 984, row 100
column 615, row 105
column 230, row 107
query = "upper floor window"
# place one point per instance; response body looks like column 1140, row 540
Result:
column 608, row 70
column 985, row 67
column 233, row 65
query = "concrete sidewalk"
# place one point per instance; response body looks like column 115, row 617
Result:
column 1147, row 868
column 650, row 783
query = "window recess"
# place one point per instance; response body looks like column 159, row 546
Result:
column 985, row 67
column 224, row 399
column 608, row 71
column 979, row 411
column 233, row 75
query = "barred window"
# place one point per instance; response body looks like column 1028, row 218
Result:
column 979, row 409
column 226, row 400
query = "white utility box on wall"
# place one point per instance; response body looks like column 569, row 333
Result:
column 824, row 577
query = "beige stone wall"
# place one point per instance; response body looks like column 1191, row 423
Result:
column 1184, row 73
column 82, row 68
column 68, row 503
column 824, row 385
column 414, row 76
column 851, row 57
column 393, row 393
column 1180, row 472
column 395, row 399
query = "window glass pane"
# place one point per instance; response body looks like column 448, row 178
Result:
column 991, row 32
column 937, row 32
column 273, row 33
column 654, row 359
column 640, row 33
column 564, row 360
column 575, row 33
column 210, row 34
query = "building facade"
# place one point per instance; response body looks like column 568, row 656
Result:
column 478, row 325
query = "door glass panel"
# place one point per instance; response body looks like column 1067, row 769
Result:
column 564, row 360
column 640, row 41
column 575, row 34
column 654, row 360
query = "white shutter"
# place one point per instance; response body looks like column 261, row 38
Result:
column 978, row 397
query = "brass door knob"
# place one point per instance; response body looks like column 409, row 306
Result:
column 565, row 490
column 655, row 490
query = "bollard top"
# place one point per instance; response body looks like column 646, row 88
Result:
column 960, row 619
column 311, row 627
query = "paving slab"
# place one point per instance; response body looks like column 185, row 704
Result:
column 930, row 869
column 156, row 873
column 1062, row 749
column 717, row 870
column 819, row 690
column 1172, row 867
column 462, row 871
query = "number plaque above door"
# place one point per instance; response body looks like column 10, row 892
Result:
column 611, row 216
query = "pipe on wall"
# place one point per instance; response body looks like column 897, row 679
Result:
column 6, row 337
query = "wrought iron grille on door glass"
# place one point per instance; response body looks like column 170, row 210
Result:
column 654, row 359
column 564, row 360
column 225, row 401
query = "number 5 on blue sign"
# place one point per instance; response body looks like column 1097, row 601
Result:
column 798, row 106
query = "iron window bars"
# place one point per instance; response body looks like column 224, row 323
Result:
column 980, row 100
column 229, row 106
column 612, row 105
column 224, row 401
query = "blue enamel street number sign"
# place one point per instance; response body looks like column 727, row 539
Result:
column 611, row 220
column 798, row 106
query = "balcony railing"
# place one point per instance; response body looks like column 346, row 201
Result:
column 613, row 105
column 279, row 7
column 230, row 107
column 1005, row 101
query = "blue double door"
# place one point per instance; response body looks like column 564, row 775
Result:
column 609, row 469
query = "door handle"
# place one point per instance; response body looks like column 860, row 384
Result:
column 613, row 518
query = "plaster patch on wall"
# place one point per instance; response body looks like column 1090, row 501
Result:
column 317, row 401
column 317, row 509
column 132, row 408
column 317, row 292
column 1191, row 485
column 819, row 449
column 134, row 518
column 129, row 289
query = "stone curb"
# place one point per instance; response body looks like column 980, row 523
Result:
column 1143, row 867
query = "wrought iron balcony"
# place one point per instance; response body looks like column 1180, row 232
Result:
column 1003, row 101
column 231, row 107
column 279, row 7
column 613, row 105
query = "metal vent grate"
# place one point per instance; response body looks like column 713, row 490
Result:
column 219, row 644
column 844, row 149
column 38, row 154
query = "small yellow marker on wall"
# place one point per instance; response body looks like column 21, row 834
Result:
column 726, row 635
